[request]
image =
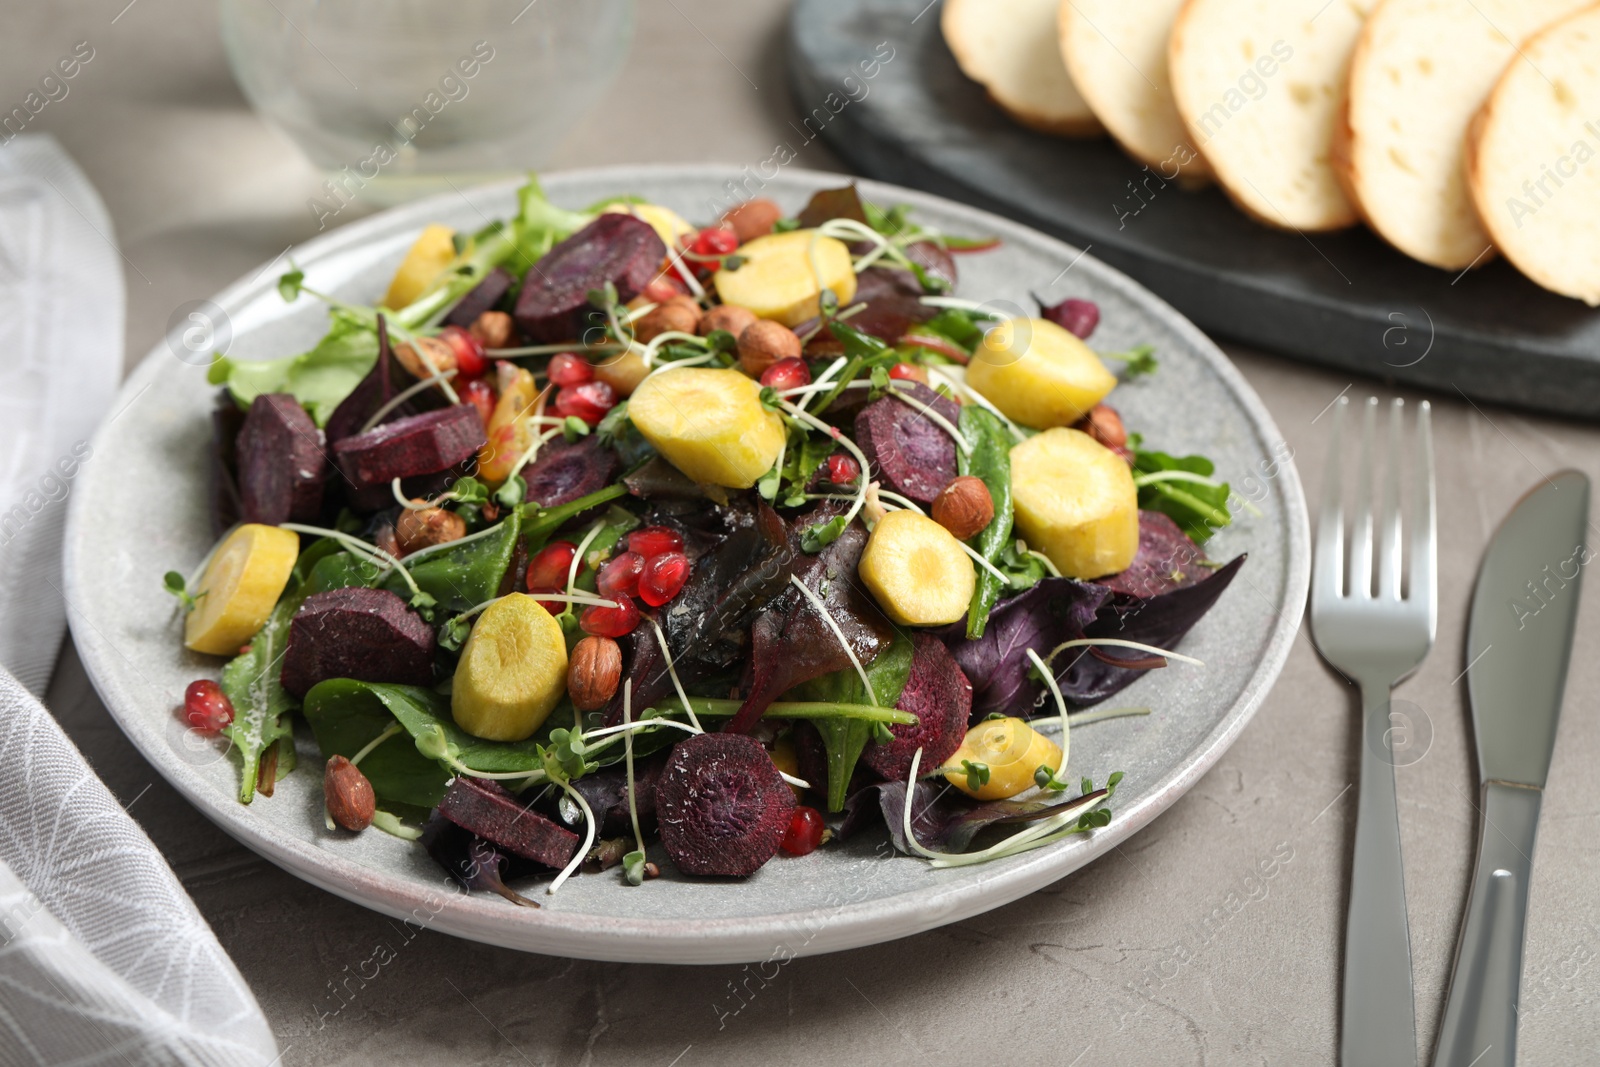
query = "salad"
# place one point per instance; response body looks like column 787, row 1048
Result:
column 603, row 536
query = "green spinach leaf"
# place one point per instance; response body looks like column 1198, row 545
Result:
column 990, row 461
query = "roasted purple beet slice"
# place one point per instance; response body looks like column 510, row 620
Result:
column 908, row 451
column 615, row 248
column 281, row 462
column 564, row 472
column 223, row 464
column 501, row 819
column 481, row 297
column 1167, row 560
column 366, row 634
column 419, row 444
column 723, row 806
column 940, row 696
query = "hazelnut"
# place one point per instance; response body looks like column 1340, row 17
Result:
column 415, row 530
column 593, row 672
column 435, row 351
column 678, row 315
column 1104, row 425
column 348, row 794
column 752, row 219
column 622, row 372
column 964, row 507
column 730, row 317
column 763, row 343
column 493, row 329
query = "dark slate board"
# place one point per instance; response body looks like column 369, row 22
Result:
column 1343, row 299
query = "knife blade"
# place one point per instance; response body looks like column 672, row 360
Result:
column 1519, row 643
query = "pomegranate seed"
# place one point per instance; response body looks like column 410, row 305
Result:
column 206, row 707
column 589, row 401
column 479, row 395
column 715, row 241
column 610, row 622
column 620, row 575
column 547, row 570
column 787, row 374
column 567, row 368
column 908, row 372
column 842, row 469
column 662, row 577
column 652, row 541
column 470, row 359
column 663, row 289
column 804, row 833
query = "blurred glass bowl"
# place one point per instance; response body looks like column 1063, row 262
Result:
column 400, row 97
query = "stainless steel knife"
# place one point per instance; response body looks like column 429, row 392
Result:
column 1519, row 641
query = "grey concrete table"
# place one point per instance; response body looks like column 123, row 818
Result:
column 1173, row 950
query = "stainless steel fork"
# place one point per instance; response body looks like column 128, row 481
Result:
column 1375, row 637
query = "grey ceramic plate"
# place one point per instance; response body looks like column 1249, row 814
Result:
column 144, row 512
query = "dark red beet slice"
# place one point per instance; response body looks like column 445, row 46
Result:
column 1167, row 560
column 554, row 300
column 723, row 807
column 564, row 472
column 223, row 463
column 501, row 819
column 366, row 634
column 419, row 444
column 281, row 462
column 909, row 452
column 481, row 297
column 940, row 696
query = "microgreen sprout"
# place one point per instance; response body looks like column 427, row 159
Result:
column 178, row 587
column 1137, row 361
column 977, row 774
column 1117, row 642
column 372, row 554
column 633, row 862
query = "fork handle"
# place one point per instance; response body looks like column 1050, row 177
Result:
column 1480, row 1015
column 1378, row 1019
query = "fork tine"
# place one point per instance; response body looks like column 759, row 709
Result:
column 1389, row 552
column 1424, row 532
column 1328, row 568
column 1361, row 528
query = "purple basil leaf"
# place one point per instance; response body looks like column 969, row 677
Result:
column 1040, row 618
column 1159, row 620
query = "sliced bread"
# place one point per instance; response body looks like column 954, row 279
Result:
column 1116, row 52
column 1420, row 72
column 1011, row 48
column 1533, row 158
column 1260, row 85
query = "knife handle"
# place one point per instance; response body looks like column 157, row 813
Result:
column 1480, row 1015
column 1377, row 1017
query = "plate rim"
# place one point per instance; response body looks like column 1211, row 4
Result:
column 740, row 939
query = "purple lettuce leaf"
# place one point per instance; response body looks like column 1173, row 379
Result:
column 942, row 818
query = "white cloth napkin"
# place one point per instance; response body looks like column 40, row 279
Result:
column 103, row 956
